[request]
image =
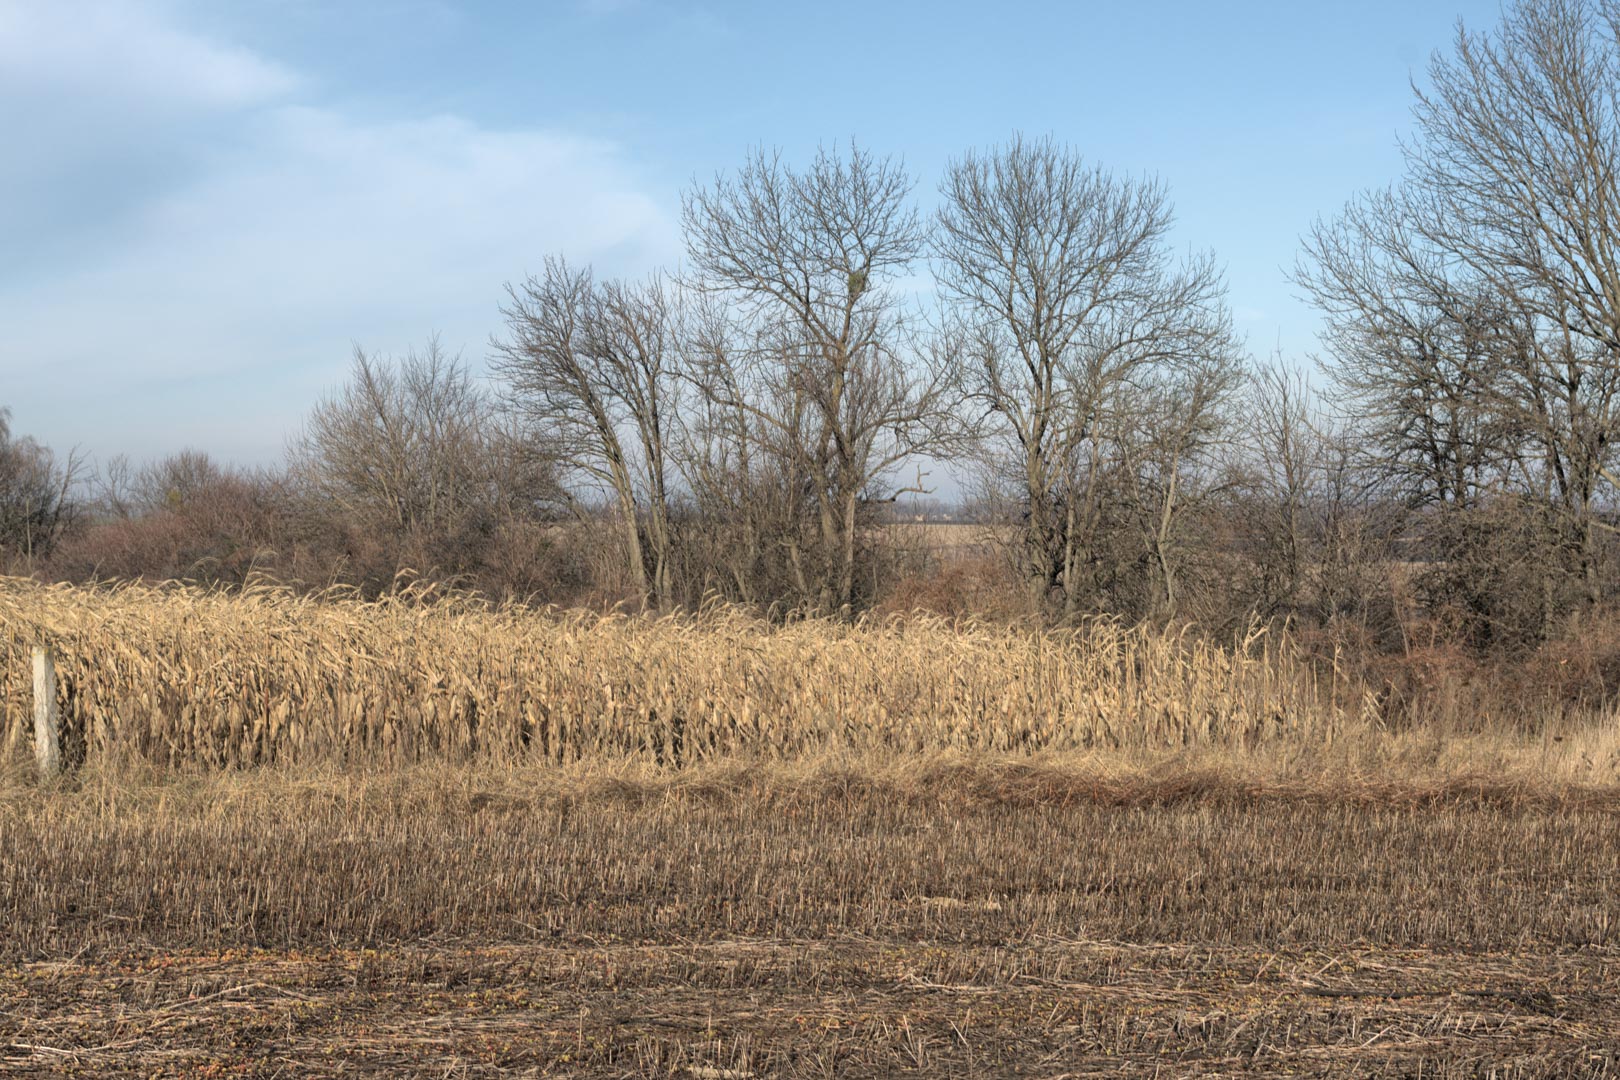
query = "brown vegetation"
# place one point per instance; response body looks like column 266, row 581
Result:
column 183, row 676
column 483, row 839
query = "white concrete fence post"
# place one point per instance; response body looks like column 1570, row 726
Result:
column 47, row 728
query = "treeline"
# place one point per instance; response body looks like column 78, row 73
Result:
column 744, row 430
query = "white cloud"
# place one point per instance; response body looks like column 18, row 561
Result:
column 127, row 54
column 328, row 229
column 327, row 216
column 221, row 297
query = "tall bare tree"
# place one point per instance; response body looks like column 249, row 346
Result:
column 1477, row 308
column 822, row 363
column 1062, row 276
column 1517, row 158
column 593, row 371
column 1418, row 352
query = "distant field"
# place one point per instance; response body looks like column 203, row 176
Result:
column 951, row 540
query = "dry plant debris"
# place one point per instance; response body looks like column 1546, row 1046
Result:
column 761, row 920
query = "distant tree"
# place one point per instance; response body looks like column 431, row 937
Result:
column 414, row 451
column 37, row 506
column 591, row 370
column 817, row 372
column 1287, row 455
column 185, row 516
column 176, row 480
column 1172, row 459
column 1070, row 304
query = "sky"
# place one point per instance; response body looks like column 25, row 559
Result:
column 205, row 205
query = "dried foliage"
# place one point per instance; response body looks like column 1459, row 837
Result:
column 183, row 676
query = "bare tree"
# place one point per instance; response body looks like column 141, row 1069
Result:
column 174, row 480
column 414, row 450
column 1475, row 311
column 1062, row 275
column 749, row 503
column 592, row 370
column 114, row 485
column 1171, row 459
column 1287, row 454
column 1426, row 360
column 1516, row 161
column 823, row 366
column 1418, row 352
column 36, row 495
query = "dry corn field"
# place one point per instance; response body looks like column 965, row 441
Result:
column 483, row 841
column 185, row 677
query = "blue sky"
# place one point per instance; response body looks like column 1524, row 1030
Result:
column 205, row 203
